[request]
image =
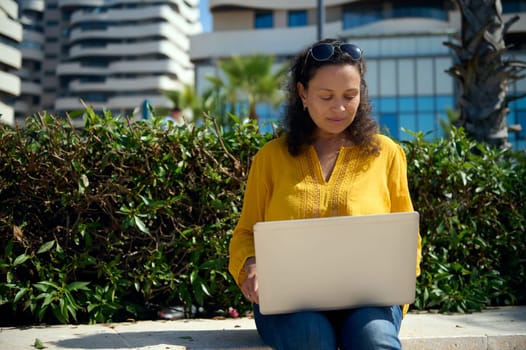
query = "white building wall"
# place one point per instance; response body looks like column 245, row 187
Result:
column 10, row 59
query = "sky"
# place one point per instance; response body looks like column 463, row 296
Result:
column 206, row 17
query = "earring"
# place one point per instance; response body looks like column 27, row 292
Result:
column 304, row 107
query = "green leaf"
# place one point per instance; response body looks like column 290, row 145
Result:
column 140, row 224
column 78, row 286
column 19, row 295
column 45, row 247
column 46, row 285
column 22, row 258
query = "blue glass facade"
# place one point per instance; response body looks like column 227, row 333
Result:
column 357, row 15
column 517, row 116
column 409, row 86
column 264, row 19
column 513, row 6
column 297, row 18
column 413, row 113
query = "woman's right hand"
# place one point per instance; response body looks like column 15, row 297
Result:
column 249, row 287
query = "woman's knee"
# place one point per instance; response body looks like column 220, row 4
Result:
column 301, row 330
column 372, row 328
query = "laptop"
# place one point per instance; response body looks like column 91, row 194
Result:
column 336, row 263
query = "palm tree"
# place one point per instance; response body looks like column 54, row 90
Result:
column 483, row 75
column 247, row 78
column 187, row 100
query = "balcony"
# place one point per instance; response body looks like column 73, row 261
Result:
column 129, row 103
column 125, row 85
column 10, row 56
column 130, row 49
column 7, row 114
column 34, row 5
column 32, row 54
column 33, row 36
column 159, row 67
column 31, row 88
column 130, row 32
column 10, row 7
column 9, row 84
column 79, row 69
column 10, row 28
column 120, row 15
column 80, row 3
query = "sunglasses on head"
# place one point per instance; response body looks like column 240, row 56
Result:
column 324, row 51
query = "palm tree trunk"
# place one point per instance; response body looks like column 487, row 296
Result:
column 482, row 74
column 252, row 114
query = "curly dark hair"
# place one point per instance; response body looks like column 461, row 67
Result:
column 298, row 124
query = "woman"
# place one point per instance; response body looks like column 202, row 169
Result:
column 330, row 161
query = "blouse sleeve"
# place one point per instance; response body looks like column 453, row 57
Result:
column 399, row 193
column 401, row 198
column 254, row 203
column 398, row 186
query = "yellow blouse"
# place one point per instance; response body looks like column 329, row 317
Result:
column 283, row 187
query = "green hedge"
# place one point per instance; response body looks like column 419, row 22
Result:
column 117, row 219
column 472, row 202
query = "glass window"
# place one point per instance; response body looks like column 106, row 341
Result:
column 389, row 124
column 426, row 124
column 297, row 18
column 357, row 15
column 264, row 19
column 521, row 103
column 432, row 45
column 407, row 121
column 406, row 73
column 388, row 77
column 264, row 111
column 407, row 104
column 95, row 97
column 94, row 26
column 424, row 73
column 375, row 103
column 424, row 103
column 267, row 117
column 443, row 103
column 444, row 81
column 30, row 45
column 34, row 27
column 372, row 77
column 388, row 105
column 513, row 6
column 424, row 11
column 521, row 119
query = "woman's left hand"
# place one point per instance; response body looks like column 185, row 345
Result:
column 249, row 287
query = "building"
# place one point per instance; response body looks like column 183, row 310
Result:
column 10, row 59
column 121, row 53
column 402, row 40
column 32, row 49
column 114, row 55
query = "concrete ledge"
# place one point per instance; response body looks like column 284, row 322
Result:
column 493, row 329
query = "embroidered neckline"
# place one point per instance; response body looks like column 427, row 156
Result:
column 341, row 177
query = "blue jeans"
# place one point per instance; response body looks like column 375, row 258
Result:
column 358, row 329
